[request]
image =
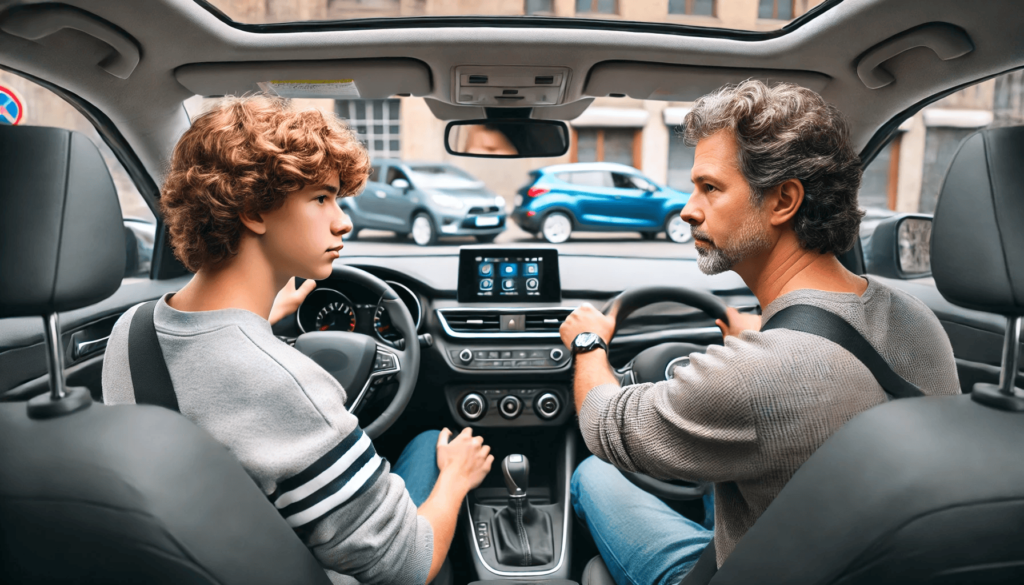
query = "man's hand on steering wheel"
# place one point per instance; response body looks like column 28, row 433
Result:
column 738, row 323
column 587, row 319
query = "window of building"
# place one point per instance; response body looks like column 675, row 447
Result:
column 680, row 161
column 597, row 6
column 880, row 181
column 620, row 145
column 38, row 106
column 775, row 9
column 692, row 7
column 539, row 7
column 376, row 123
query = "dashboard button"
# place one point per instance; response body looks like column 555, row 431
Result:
column 556, row 354
column 481, row 355
column 472, row 406
column 522, row 354
column 510, row 407
column 547, row 406
column 538, row 353
column 466, row 356
column 506, row 355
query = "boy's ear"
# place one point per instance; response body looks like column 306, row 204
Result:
column 254, row 223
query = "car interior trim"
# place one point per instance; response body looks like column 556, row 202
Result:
column 373, row 376
column 504, row 334
column 566, row 519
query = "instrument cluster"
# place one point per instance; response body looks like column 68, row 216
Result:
column 339, row 306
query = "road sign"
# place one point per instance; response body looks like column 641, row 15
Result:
column 12, row 109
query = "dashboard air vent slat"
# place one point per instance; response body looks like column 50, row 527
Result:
column 546, row 320
column 473, row 321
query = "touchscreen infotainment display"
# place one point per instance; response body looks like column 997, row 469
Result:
column 509, row 274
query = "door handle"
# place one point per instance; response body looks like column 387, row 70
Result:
column 380, row 194
column 84, row 348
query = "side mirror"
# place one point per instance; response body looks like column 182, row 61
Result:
column 901, row 247
column 400, row 184
column 507, row 138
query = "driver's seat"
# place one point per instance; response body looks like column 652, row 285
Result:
column 96, row 494
column 920, row 490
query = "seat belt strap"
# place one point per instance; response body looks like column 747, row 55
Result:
column 818, row 321
column 151, row 380
column 704, row 569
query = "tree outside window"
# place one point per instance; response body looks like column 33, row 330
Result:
column 692, row 7
column 776, row 9
column 597, row 6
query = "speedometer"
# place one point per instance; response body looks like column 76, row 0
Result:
column 336, row 316
column 382, row 321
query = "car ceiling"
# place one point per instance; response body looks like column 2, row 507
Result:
column 178, row 38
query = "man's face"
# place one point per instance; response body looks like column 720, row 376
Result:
column 728, row 227
column 303, row 236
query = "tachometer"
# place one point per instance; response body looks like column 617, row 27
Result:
column 336, row 316
column 382, row 321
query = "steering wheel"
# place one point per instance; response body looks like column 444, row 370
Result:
column 656, row 363
column 362, row 365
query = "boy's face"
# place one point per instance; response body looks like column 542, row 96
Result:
column 303, row 236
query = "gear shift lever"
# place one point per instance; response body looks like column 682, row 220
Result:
column 516, row 469
column 522, row 533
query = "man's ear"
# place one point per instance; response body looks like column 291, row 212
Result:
column 784, row 201
column 254, row 223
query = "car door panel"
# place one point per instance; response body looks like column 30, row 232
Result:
column 23, row 363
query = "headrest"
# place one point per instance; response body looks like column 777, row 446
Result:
column 62, row 243
column 977, row 235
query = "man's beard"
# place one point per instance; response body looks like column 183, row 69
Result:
column 752, row 238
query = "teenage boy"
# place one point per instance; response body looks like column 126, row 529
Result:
column 250, row 201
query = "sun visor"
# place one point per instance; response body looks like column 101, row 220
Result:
column 683, row 83
column 336, row 79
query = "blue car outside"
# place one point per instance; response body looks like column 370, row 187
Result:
column 598, row 197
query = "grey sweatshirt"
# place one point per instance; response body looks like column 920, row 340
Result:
column 284, row 418
column 747, row 414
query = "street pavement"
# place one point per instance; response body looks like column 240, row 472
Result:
column 622, row 244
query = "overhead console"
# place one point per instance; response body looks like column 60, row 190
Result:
column 684, row 83
column 520, row 87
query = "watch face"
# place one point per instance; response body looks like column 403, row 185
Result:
column 585, row 339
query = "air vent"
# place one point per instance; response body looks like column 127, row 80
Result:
column 478, row 79
column 472, row 321
column 546, row 320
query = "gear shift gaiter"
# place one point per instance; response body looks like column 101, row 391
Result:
column 522, row 533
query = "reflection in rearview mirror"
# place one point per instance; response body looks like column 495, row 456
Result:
column 516, row 138
column 915, row 239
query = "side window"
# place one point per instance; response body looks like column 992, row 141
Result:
column 374, row 174
column 394, row 173
column 38, row 106
column 591, row 178
column 906, row 176
column 622, row 181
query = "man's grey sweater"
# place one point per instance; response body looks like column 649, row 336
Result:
column 284, row 418
column 747, row 414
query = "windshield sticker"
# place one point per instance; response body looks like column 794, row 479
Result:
column 311, row 88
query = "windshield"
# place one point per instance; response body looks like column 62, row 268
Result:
column 741, row 15
column 442, row 177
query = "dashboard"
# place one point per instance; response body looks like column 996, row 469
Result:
column 337, row 306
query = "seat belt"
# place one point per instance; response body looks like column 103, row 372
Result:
column 151, row 380
column 818, row 321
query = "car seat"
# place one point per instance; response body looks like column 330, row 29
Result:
column 97, row 494
column 922, row 490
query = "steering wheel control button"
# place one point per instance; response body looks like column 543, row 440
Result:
column 466, row 356
column 483, row 538
column 510, row 407
column 547, row 406
column 556, row 355
column 472, row 406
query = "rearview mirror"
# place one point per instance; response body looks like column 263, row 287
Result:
column 901, row 247
column 513, row 138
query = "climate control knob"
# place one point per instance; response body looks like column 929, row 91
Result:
column 556, row 355
column 510, row 407
column 547, row 406
column 472, row 406
column 466, row 356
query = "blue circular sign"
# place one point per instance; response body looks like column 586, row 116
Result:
column 11, row 108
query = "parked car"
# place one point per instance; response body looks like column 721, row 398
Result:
column 428, row 200
column 598, row 197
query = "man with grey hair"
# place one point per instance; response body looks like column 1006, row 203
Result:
column 775, row 200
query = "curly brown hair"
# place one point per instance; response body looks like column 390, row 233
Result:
column 244, row 157
column 789, row 132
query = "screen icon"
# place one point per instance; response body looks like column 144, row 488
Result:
column 508, row 284
column 530, row 269
column 532, row 283
column 486, row 284
column 486, row 269
column 509, row 270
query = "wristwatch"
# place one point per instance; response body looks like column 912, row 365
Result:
column 587, row 341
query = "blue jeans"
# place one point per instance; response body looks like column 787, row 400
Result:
column 417, row 465
column 642, row 541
